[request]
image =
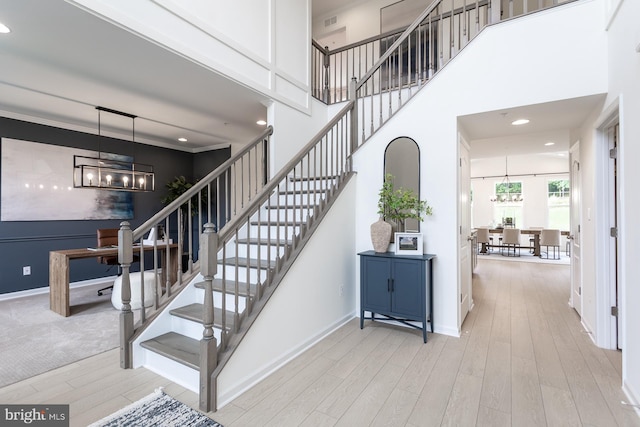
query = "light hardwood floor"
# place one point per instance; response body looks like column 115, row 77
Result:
column 523, row 359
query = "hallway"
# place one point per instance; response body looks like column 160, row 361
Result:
column 523, row 359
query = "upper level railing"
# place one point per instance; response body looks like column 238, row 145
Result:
column 432, row 42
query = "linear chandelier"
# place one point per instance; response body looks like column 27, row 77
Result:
column 506, row 184
column 110, row 171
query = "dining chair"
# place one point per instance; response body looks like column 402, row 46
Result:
column 532, row 239
column 511, row 239
column 550, row 238
column 485, row 241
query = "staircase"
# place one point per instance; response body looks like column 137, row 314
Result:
column 198, row 322
column 244, row 268
column 252, row 230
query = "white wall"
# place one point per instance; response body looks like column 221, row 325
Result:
column 502, row 56
column 624, row 87
column 307, row 304
column 359, row 22
column 293, row 129
column 262, row 44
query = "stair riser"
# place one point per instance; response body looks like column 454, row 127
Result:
column 263, row 251
column 273, row 232
column 229, row 298
column 242, row 275
column 172, row 370
column 311, row 185
column 290, row 199
column 191, row 329
column 285, row 215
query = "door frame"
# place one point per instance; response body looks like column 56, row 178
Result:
column 464, row 228
column 606, row 334
column 575, row 229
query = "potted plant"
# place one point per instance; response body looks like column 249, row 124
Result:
column 175, row 188
column 395, row 206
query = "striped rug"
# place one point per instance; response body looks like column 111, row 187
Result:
column 157, row 409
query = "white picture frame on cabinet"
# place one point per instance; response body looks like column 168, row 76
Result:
column 408, row 243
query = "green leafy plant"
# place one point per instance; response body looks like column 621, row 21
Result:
column 400, row 204
column 178, row 187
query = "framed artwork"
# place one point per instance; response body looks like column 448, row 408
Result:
column 408, row 243
column 37, row 185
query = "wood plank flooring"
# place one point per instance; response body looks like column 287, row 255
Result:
column 523, row 360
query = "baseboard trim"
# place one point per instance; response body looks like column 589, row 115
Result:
column 248, row 382
column 45, row 290
column 633, row 398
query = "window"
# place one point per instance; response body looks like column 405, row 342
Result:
column 508, row 203
column 558, row 204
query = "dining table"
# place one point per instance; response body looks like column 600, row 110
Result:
column 535, row 232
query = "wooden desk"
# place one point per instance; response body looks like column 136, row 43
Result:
column 59, row 271
column 530, row 231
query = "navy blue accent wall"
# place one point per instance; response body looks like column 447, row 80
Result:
column 27, row 243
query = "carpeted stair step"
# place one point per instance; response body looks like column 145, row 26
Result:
column 176, row 347
column 251, row 262
column 193, row 312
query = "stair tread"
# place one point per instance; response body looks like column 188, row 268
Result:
column 253, row 262
column 313, row 178
column 176, row 347
column 296, row 191
column 291, row 206
column 194, row 312
column 264, row 242
column 230, row 286
column 276, row 222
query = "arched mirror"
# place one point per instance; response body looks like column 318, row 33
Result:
column 402, row 160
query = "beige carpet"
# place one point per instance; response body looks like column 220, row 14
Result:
column 34, row 339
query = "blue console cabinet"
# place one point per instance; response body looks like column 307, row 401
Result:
column 398, row 288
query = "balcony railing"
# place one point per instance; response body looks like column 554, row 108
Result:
column 435, row 38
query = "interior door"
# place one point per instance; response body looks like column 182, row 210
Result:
column 576, row 281
column 464, row 221
column 613, row 138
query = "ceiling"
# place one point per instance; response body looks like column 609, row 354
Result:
column 491, row 133
column 60, row 62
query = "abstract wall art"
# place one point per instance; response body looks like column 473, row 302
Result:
column 37, row 185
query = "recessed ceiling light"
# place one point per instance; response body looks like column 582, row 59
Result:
column 261, row 122
column 182, row 139
column 520, row 122
column 550, row 143
column 4, row 29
